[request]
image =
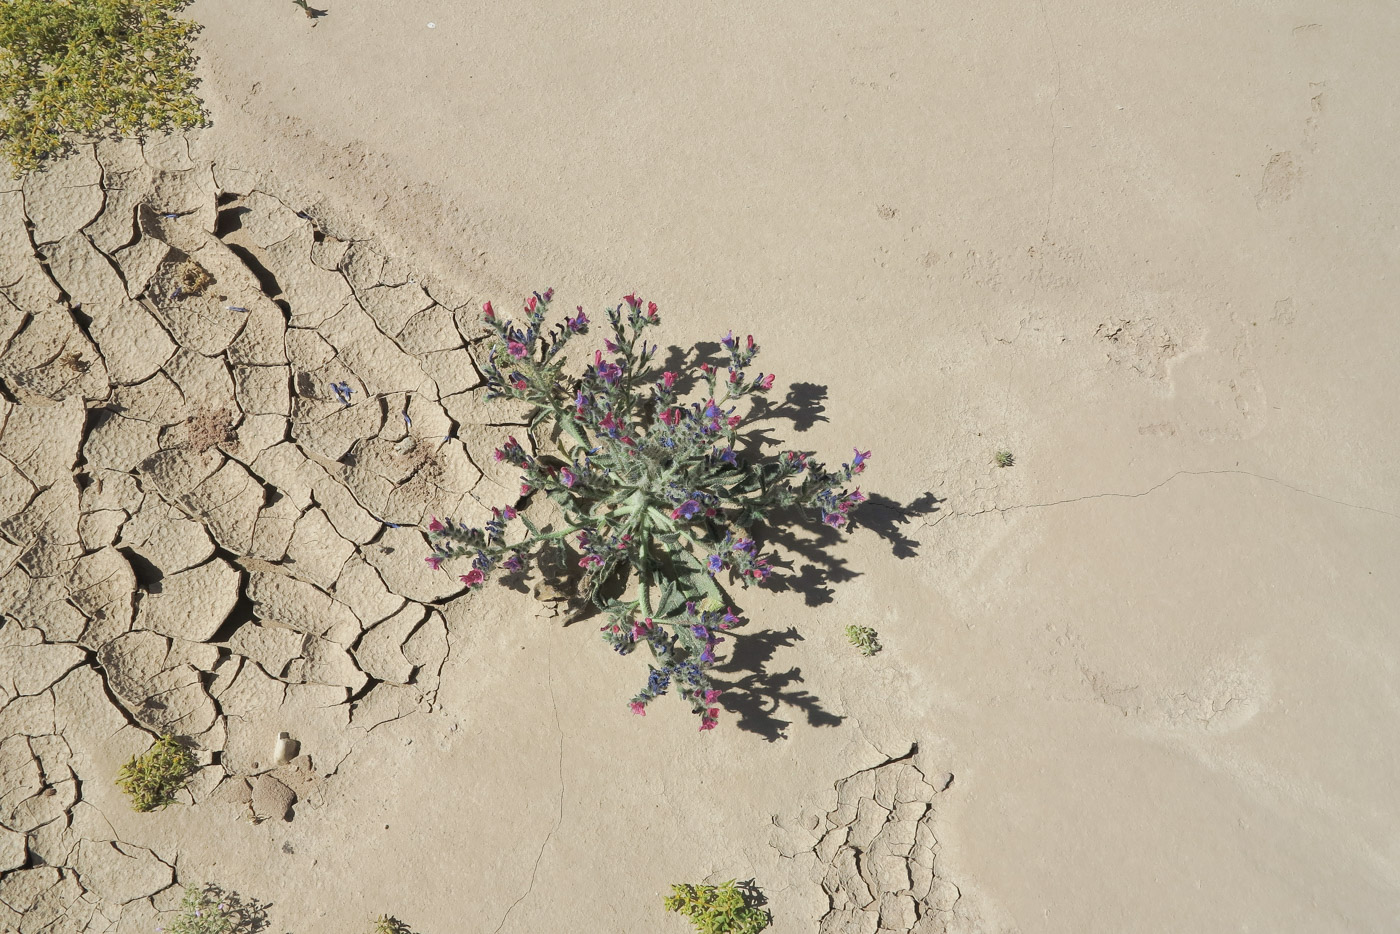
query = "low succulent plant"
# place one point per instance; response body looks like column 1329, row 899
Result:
column 863, row 638
column 92, row 68
column 717, row 909
column 660, row 504
column 152, row 778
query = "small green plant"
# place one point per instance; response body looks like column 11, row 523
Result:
column 717, row 909
column 1005, row 459
column 152, row 778
column 863, row 638
column 204, row 911
column 388, row 924
column 92, row 67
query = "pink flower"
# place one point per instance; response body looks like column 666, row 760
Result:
column 668, row 379
column 516, row 348
column 651, row 310
column 632, row 300
column 638, row 708
column 509, row 513
column 671, row 417
column 488, row 311
column 530, row 305
column 524, row 489
column 711, row 696
column 473, row 577
column 567, row 476
column 434, row 562
column 750, row 342
column 766, row 382
column 706, row 724
column 712, row 713
column 435, row 525
column 734, row 421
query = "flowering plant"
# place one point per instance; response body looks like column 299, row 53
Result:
column 655, row 493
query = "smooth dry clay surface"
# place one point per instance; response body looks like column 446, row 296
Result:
column 1142, row 679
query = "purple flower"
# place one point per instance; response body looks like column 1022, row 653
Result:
column 567, row 477
column 716, row 564
column 577, row 323
column 612, row 348
column 513, row 563
column 858, row 462
column 728, row 341
column 685, row 510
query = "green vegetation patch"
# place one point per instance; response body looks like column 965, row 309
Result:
column 864, row 638
column 92, row 68
column 152, row 778
column 717, row 909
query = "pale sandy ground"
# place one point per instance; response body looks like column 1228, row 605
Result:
column 1149, row 251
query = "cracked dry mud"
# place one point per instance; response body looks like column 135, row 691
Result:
column 196, row 536
column 876, row 856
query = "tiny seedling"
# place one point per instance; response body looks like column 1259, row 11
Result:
column 388, row 924
column 92, row 68
column 311, row 12
column 717, row 909
column 1005, row 459
column 864, row 638
column 152, row 778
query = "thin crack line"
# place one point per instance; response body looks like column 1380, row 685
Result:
column 534, row 871
column 1158, row 486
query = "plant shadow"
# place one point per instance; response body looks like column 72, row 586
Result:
column 756, row 694
column 249, row 914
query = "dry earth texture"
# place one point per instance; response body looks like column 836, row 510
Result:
column 1147, row 670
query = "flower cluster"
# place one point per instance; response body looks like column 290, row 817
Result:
column 646, row 467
